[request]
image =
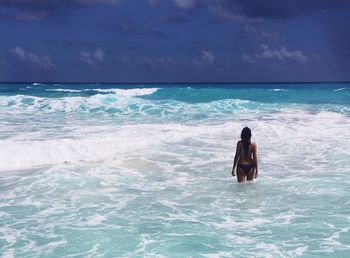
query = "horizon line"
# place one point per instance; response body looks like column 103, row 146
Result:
column 133, row 83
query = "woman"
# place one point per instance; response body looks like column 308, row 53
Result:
column 245, row 158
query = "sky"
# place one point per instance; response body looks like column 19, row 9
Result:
column 174, row 40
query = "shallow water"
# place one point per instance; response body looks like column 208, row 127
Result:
column 144, row 171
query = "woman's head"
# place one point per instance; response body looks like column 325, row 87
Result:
column 246, row 134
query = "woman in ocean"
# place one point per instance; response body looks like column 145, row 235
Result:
column 245, row 158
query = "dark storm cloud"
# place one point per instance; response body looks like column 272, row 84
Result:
column 48, row 4
column 269, row 9
column 38, row 10
column 275, row 9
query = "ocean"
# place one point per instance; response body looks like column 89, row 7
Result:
column 103, row 170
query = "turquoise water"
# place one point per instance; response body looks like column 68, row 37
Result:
column 144, row 171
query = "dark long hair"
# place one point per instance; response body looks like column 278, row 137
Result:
column 246, row 135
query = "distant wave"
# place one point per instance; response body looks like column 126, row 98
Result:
column 63, row 90
column 278, row 90
column 119, row 92
column 129, row 92
column 111, row 104
column 340, row 89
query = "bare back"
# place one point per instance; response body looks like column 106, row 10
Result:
column 246, row 158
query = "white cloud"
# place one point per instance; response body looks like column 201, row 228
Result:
column 248, row 59
column 281, row 54
column 19, row 52
column 186, row 4
column 44, row 62
column 205, row 58
column 31, row 58
column 92, row 58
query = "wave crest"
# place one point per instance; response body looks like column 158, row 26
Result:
column 64, row 90
column 129, row 92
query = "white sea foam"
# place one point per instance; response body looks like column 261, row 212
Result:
column 144, row 242
column 93, row 143
column 9, row 253
column 95, row 220
column 221, row 254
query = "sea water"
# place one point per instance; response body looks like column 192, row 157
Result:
column 145, row 170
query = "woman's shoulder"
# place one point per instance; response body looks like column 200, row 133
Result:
column 254, row 144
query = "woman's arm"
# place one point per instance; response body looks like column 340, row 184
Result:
column 235, row 160
column 255, row 159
